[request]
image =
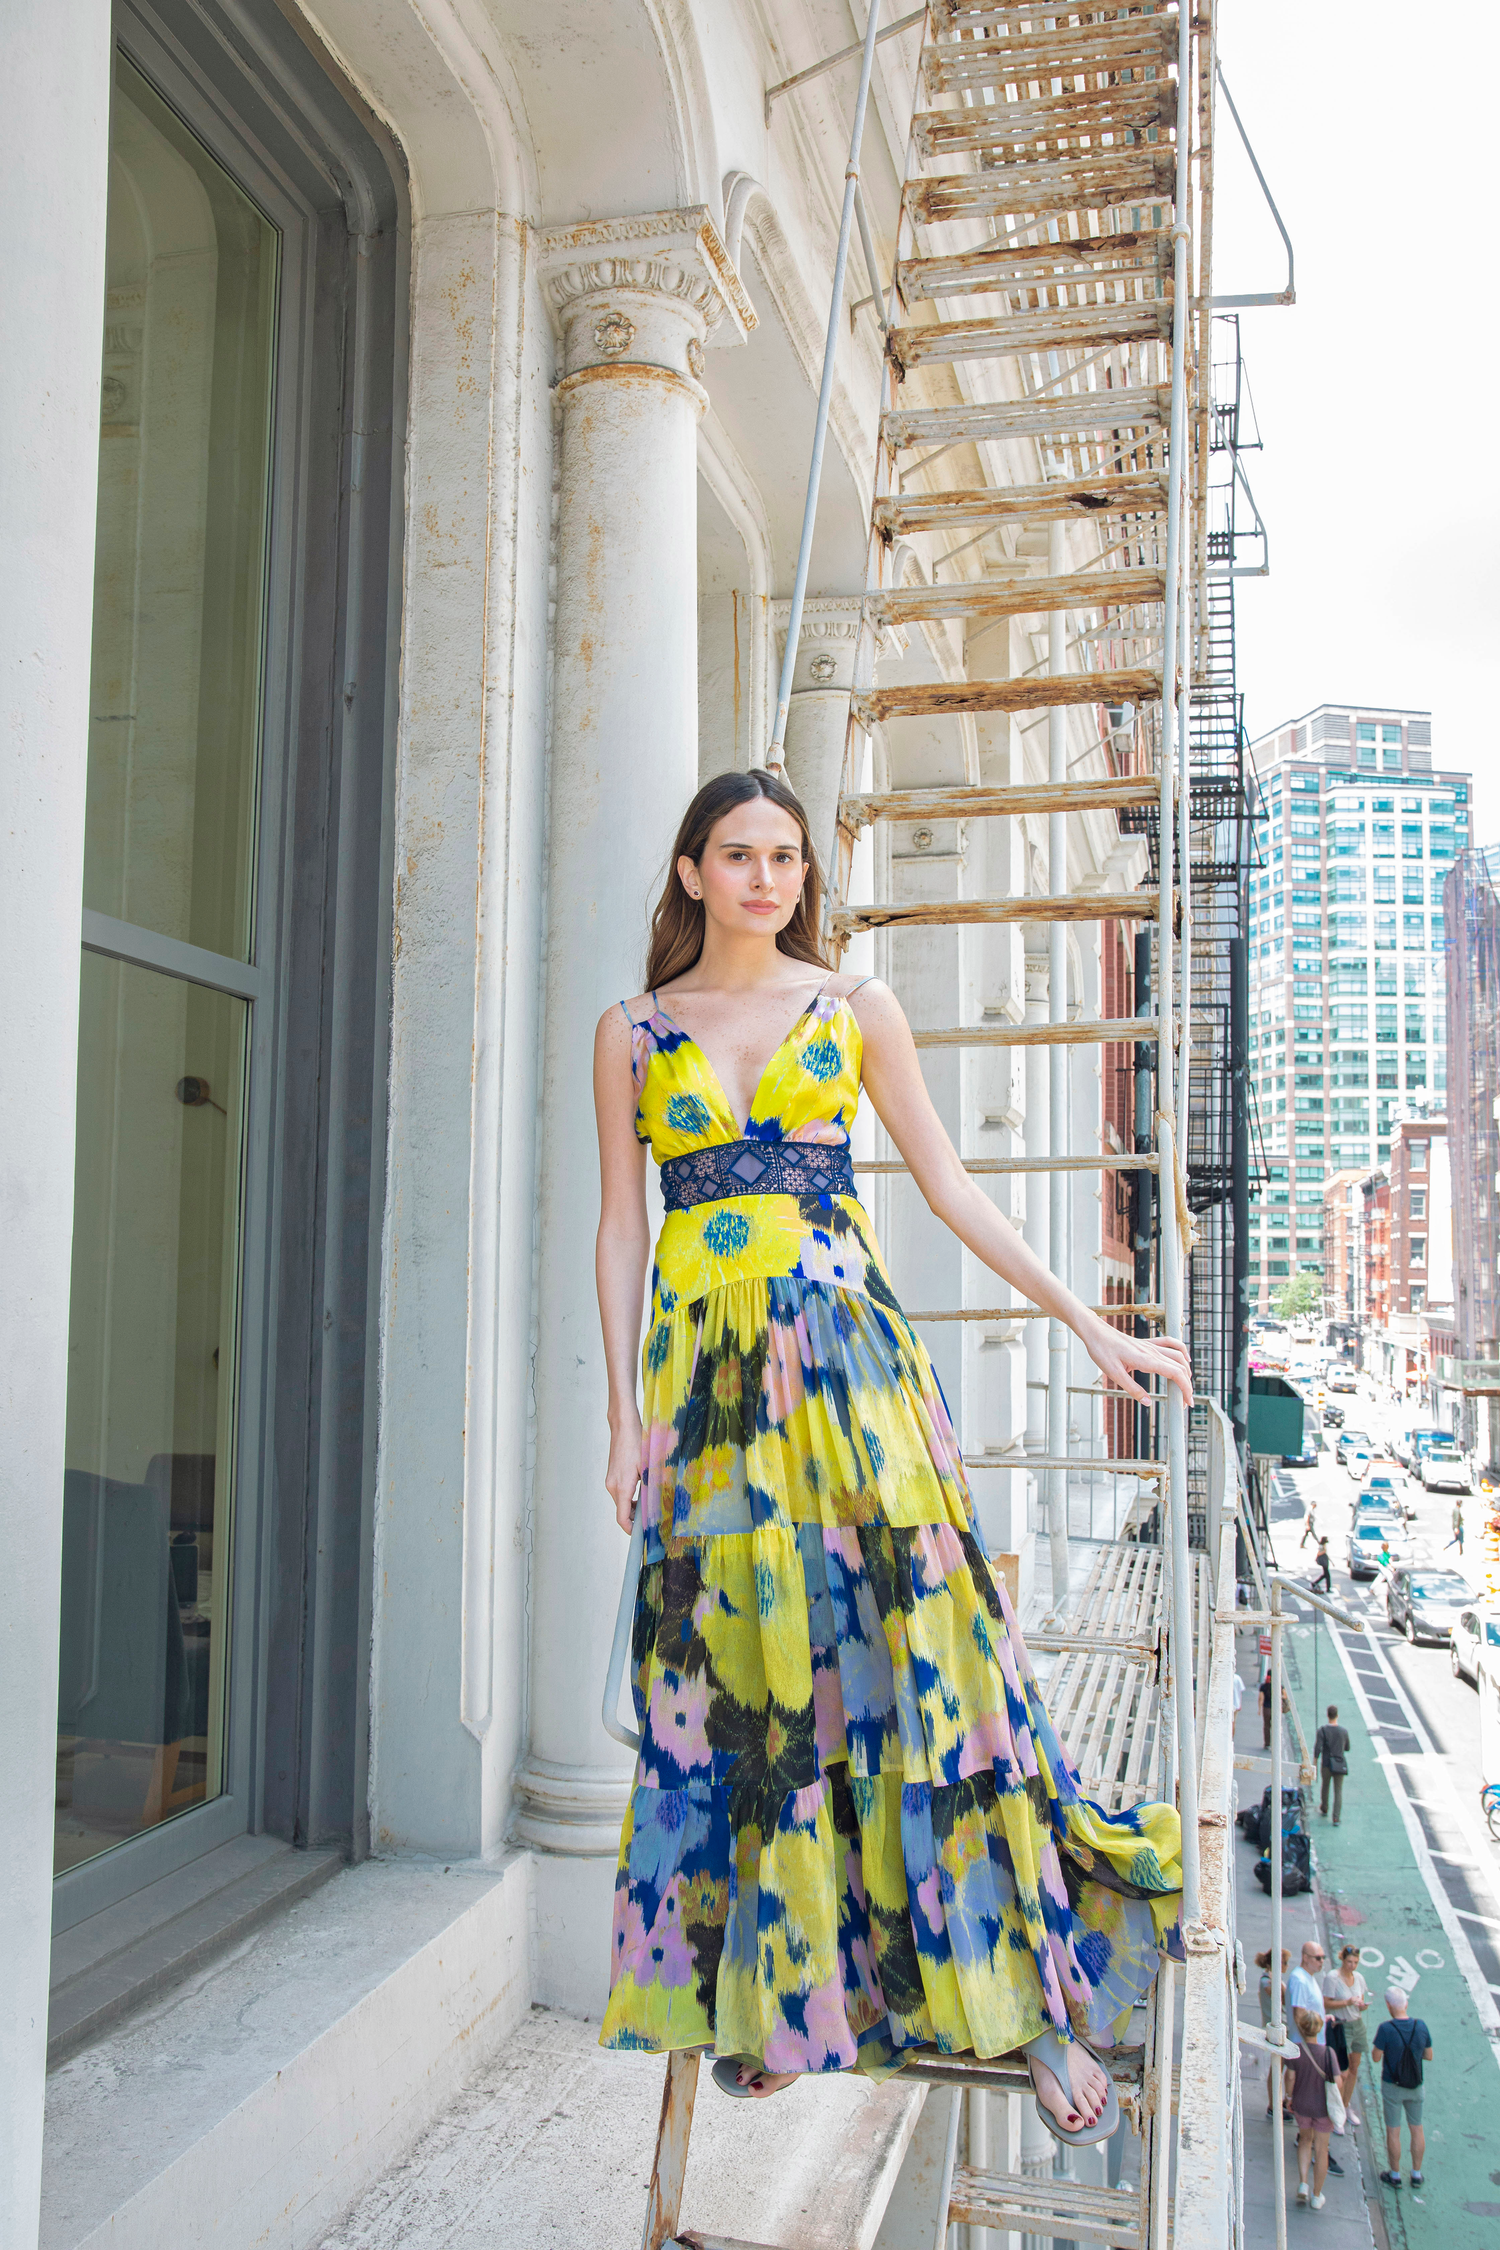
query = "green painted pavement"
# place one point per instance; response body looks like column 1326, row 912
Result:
column 1374, row 1894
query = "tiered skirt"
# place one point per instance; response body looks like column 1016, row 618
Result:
column 853, row 1828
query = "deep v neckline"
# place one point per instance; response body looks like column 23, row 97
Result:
column 712, row 1068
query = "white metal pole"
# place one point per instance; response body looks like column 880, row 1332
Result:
column 775, row 756
column 1180, row 1578
column 1278, row 2027
column 1058, row 1245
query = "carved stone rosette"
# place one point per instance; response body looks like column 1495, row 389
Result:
column 641, row 293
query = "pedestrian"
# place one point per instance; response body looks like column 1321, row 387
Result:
column 1310, row 1528
column 1263, row 1963
column 1403, row 2044
column 1348, row 1997
column 1323, row 1566
column 735, row 967
column 1331, row 1754
column 1458, row 1529
column 1314, row 2067
column 1265, row 1708
column 1304, row 1992
column 1236, row 1692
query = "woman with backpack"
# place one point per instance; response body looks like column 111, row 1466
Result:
column 1314, row 2074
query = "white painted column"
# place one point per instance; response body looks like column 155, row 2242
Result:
column 817, row 723
column 52, row 260
column 634, row 299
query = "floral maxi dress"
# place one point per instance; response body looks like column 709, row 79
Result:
column 852, row 1828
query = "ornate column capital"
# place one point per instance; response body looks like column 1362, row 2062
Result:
column 642, row 294
column 828, row 645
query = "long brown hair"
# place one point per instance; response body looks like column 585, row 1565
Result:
column 678, row 921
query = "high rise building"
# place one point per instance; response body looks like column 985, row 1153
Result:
column 1357, row 834
column 1472, row 914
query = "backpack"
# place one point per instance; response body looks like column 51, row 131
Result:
column 1406, row 2068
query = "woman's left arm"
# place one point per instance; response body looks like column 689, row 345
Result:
column 893, row 1078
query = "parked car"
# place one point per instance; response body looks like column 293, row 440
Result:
column 1357, row 1462
column 1381, row 1483
column 1308, row 1457
column 1476, row 1638
column 1375, row 1507
column 1425, row 1603
column 1333, row 1416
column 1369, row 1538
column 1347, row 1438
column 1342, row 1379
column 1444, row 1469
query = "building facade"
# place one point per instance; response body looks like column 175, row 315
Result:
column 1340, row 1236
column 1346, row 943
column 1421, row 1207
column 1472, row 914
column 408, row 420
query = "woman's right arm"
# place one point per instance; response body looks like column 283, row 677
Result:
column 621, row 1254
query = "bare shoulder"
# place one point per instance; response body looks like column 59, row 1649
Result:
column 613, row 1030
column 874, row 1005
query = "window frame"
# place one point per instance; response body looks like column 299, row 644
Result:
column 267, row 109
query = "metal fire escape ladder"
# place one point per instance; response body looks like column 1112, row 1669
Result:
column 1043, row 391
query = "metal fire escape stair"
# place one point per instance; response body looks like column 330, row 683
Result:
column 1041, row 346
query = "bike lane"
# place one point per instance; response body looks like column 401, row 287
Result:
column 1380, row 1889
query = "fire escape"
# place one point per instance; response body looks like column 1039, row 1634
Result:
column 1045, row 461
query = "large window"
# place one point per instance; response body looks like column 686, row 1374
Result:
column 174, row 742
column 235, row 975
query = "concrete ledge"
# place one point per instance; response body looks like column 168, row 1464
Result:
column 250, row 2106
column 549, row 2146
column 117, row 1961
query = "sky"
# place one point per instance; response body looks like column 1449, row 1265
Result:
column 1380, row 475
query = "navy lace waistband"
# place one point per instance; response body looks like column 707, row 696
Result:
column 756, row 1168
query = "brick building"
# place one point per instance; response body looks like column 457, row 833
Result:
column 1421, row 1215
column 1340, row 1234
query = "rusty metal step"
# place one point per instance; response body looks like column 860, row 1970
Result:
column 1016, row 597
column 1120, row 43
column 1071, row 906
column 1048, row 2207
column 1142, row 407
column 931, row 699
column 1048, row 328
column 1136, row 261
column 1109, row 180
column 899, row 515
column 1086, row 1031
column 1138, row 107
column 970, row 801
column 1034, row 1312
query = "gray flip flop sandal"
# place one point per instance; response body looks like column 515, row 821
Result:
column 727, row 2075
column 1050, row 2050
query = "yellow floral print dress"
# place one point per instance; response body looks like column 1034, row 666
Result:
column 853, row 1828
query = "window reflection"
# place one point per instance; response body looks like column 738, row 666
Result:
column 179, row 570
column 151, row 1352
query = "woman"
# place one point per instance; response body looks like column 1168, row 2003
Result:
column 1348, row 1998
column 1314, row 2066
column 853, row 1829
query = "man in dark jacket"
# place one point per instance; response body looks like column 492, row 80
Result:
column 1331, row 1751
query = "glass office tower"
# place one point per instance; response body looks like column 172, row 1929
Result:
column 1355, row 838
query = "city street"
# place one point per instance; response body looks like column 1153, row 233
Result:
column 1411, row 1874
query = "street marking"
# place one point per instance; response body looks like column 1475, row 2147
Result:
column 1463, row 1952
column 1465, row 1915
column 1430, row 1960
